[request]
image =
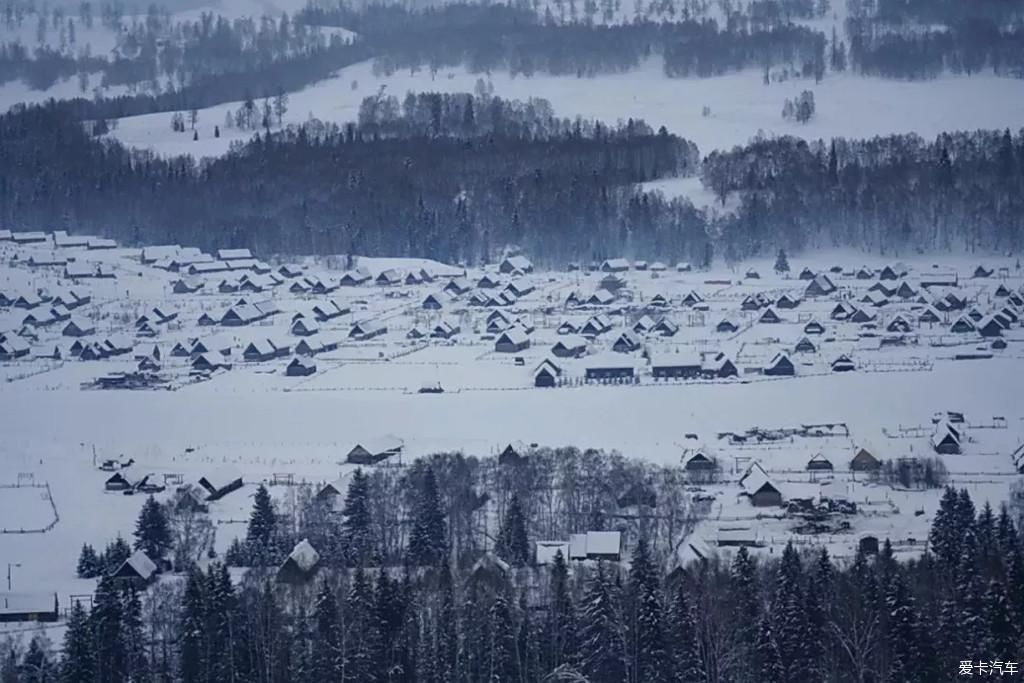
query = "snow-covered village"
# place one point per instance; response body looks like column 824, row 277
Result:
column 527, row 342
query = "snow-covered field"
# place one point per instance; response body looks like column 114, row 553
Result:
column 258, row 422
column 741, row 105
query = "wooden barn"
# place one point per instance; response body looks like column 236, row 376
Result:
column 759, row 488
column 546, row 374
column 864, row 461
column 373, row 451
column 300, row 367
column 138, row 569
column 780, row 365
column 19, row 607
column 512, row 340
column 676, row 366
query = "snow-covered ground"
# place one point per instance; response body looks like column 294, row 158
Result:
column 741, row 105
column 256, row 421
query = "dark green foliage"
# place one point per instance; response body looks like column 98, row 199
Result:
column 512, row 544
column 428, row 538
column 601, row 638
column 78, row 662
column 152, row 533
column 356, row 534
column 262, row 521
column 89, row 564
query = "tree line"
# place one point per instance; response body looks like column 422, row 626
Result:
column 489, row 37
column 493, row 616
column 918, row 39
column 962, row 191
column 455, row 177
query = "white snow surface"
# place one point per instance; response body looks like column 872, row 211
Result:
column 741, row 105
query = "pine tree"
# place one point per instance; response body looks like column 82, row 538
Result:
column 943, row 539
column 446, row 636
column 389, row 616
column 191, row 653
column 512, row 544
column 116, row 553
column 78, row 663
column 902, row 633
column 133, row 634
column 1006, row 534
column 362, row 640
column 648, row 651
column 767, row 658
column 686, row 659
column 428, row 538
column 602, row 647
column 744, row 602
column 152, row 532
column 219, row 619
column 789, row 619
column 356, row 536
column 327, row 652
column 107, row 621
column 501, row 664
column 561, row 626
column 781, row 262
column 1002, row 633
column 262, row 520
column 36, row 665
column 527, row 643
column 89, row 565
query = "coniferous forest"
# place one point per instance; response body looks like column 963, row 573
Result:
column 459, row 177
column 446, row 600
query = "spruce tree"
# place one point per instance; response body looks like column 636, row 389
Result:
column 781, row 262
column 356, row 536
column 137, row 665
column 428, row 538
column 767, row 658
column 327, row 661
column 116, row 553
column 648, row 651
column 263, row 519
column 107, row 621
column 446, row 629
column 389, row 616
column 220, row 617
column 744, row 603
column 902, row 633
column 1002, row 635
column 89, row 566
column 78, row 662
column 943, row 537
column 561, row 625
column 362, row 642
column 527, row 643
column 601, row 642
column 36, row 664
column 686, row 659
column 789, row 619
column 512, row 544
column 501, row 663
column 152, row 532
column 191, row 632
column 1006, row 534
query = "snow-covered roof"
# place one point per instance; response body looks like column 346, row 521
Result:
column 27, row 603
column 546, row 551
column 604, row 542
column 514, row 335
column 675, row 360
column 304, row 555
column 140, row 562
column 232, row 254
